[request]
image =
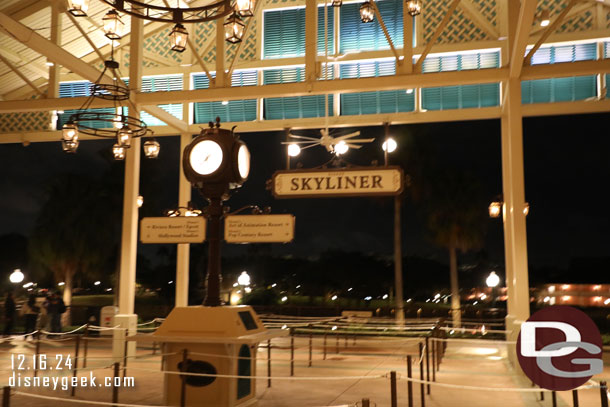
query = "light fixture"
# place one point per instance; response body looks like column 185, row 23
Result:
column 545, row 18
column 140, row 201
column 294, row 150
column 124, row 137
column 178, row 38
column 492, row 280
column 245, row 8
column 224, row 102
column 243, row 279
column 367, row 13
column 234, row 28
column 113, row 25
column 69, row 132
column 414, row 7
column 151, row 148
column 153, row 11
column 69, row 146
column 61, row 283
column 526, row 209
column 16, row 276
column 337, row 3
column 341, row 147
column 494, row 209
column 97, row 283
column 409, row 91
column 389, row 145
column 78, row 8
column 118, row 152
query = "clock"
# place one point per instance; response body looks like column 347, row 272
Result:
column 243, row 161
column 206, row 157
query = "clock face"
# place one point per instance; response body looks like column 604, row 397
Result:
column 206, row 157
column 243, row 161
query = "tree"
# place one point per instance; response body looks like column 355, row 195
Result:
column 456, row 219
column 76, row 230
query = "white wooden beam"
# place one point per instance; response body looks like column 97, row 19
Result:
column 21, row 75
column 521, row 36
column 385, row 31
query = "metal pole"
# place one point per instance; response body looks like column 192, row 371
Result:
column 421, row 374
column 37, row 353
column 291, row 352
column 575, row 397
column 433, row 359
column 393, row 394
column 554, row 398
column 325, row 334
column 6, row 396
column 409, row 383
column 125, row 359
column 337, row 346
column 366, row 403
column 212, row 294
column 427, row 366
column 603, row 390
column 269, row 362
column 310, row 349
column 76, row 346
column 86, row 350
column 541, row 396
column 183, row 386
column 115, row 389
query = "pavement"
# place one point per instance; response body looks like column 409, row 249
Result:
column 350, row 372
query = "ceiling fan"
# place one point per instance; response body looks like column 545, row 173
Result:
column 336, row 145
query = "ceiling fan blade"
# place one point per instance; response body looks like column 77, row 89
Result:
column 304, row 137
column 300, row 142
column 354, row 146
column 360, row 140
column 354, row 134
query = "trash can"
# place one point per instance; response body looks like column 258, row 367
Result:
column 107, row 314
column 215, row 341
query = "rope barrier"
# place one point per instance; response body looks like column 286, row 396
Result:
column 99, row 403
column 478, row 341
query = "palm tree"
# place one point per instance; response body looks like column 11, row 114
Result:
column 75, row 231
column 456, row 219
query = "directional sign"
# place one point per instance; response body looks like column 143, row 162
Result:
column 367, row 181
column 179, row 229
column 259, row 228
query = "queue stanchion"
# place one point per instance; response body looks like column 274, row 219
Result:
column 115, row 388
column 269, row 363
column 6, row 396
column 427, row 365
column 310, row 349
column 575, row 397
column 409, row 382
column 37, row 353
column 74, row 372
column 603, row 389
column 421, row 374
column 85, row 345
column 393, row 394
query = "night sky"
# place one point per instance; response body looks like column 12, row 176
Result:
column 567, row 169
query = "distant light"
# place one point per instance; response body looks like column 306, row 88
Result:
column 483, row 329
column 492, row 280
column 273, row 285
column 49, row 63
column 475, row 303
column 607, row 301
column 334, row 297
column 437, row 295
column 385, row 296
column 140, row 201
column 409, row 91
column 494, row 209
column 566, row 298
column 334, row 328
column 16, row 276
column 284, row 326
column 108, row 289
column 248, row 290
column 235, row 284
column 298, row 286
column 597, row 287
column 61, row 284
column 368, row 298
column 428, row 300
column 451, row 332
column 97, row 283
column 410, row 299
column 243, row 279
column 284, row 299
column 26, row 285
column 225, row 102
column 565, row 287
column 437, row 301
column 389, row 145
column 350, row 289
column 597, row 299
column 170, row 282
column 483, row 297
column 545, row 18
column 294, row 150
column 547, row 299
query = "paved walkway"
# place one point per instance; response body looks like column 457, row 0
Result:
column 360, row 370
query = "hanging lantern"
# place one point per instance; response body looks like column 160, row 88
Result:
column 495, row 209
column 234, row 29
column 414, row 7
column 367, row 13
column 151, row 148
column 178, row 38
column 118, row 152
column 69, row 146
column 245, row 8
column 70, row 132
column 78, row 8
column 337, row 3
column 113, row 25
column 124, row 137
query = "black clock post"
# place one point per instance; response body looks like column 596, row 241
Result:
column 215, row 162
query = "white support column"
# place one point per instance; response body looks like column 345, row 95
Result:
column 221, row 78
column 182, row 256
column 54, row 71
column 311, row 41
column 126, row 317
column 515, row 236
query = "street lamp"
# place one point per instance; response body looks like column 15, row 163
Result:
column 492, row 282
column 16, row 276
column 243, row 279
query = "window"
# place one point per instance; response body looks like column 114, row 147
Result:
column 293, row 107
column 230, row 111
column 358, row 36
column 463, row 96
column 161, row 84
column 561, row 89
column 284, row 32
column 390, row 101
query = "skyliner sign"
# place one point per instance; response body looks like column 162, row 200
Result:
column 342, row 182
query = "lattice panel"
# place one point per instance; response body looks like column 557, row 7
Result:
column 488, row 8
column 459, row 29
column 580, row 22
column 158, row 44
column 31, row 121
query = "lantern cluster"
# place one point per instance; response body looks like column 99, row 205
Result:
column 235, row 27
